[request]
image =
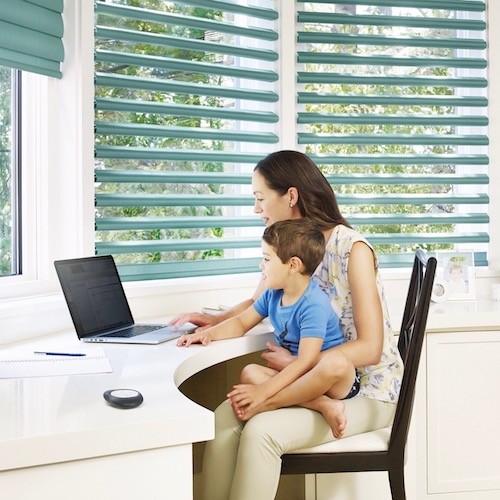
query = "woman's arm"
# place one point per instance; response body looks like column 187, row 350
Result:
column 366, row 349
column 205, row 321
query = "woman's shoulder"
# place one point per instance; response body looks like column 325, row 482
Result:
column 342, row 239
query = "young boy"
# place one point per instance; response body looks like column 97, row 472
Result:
column 300, row 312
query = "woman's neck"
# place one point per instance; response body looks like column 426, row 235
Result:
column 328, row 233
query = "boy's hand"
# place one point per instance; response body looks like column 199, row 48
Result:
column 277, row 357
column 246, row 396
column 202, row 337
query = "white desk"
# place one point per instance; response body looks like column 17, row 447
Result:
column 59, row 439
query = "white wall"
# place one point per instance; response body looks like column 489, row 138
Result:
column 59, row 204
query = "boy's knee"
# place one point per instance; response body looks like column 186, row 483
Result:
column 250, row 373
column 336, row 363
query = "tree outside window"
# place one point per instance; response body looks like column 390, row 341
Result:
column 9, row 199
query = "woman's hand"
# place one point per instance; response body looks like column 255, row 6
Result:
column 277, row 357
column 203, row 321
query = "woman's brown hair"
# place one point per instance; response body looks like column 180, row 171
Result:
column 285, row 169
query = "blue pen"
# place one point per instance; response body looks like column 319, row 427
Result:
column 60, row 353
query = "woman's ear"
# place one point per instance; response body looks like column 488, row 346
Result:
column 293, row 195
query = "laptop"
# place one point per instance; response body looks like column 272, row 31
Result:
column 99, row 308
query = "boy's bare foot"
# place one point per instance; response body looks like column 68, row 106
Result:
column 333, row 412
column 244, row 413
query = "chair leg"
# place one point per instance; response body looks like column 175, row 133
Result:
column 397, row 482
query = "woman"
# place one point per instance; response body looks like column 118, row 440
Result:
column 243, row 461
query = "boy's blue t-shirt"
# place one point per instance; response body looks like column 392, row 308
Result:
column 311, row 316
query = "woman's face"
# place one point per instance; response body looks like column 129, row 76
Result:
column 270, row 206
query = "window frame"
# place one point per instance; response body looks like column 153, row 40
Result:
column 21, row 298
column 15, row 175
column 57, row 163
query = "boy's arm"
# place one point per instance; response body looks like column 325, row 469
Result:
column 230, row 328
column 254, row 395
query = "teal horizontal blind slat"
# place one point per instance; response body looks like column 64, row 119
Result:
column 187, row 268
column 258, row 12
column 213, row 200
column 175, row 64
column 162, row 270
column 140, row 176
column 466, row 5
column 31, row 36
column 183, row 132
column 362, row 139
column 143, row 153
column 435, row 81
column 392, row 100
column 136, row 223
column 386, row 92
column 128, row 247
column 136, row 106
column 156, row 39
column 156, row 84
column 142, row 14
column 381, row 40
column 455, row 62
column 397, row 21
column 185, row 106
column 391, row 119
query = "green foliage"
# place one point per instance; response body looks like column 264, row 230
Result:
column 6, row 243
column 160, row 120
column 381, row 130
column 165, row 120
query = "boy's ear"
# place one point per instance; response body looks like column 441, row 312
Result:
column 295, row 264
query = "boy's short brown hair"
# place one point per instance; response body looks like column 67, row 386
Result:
column 297, row 238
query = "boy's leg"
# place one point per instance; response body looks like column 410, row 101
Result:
column 343, row 375
column 340, row 372
column 256, row 374
column 332, row 406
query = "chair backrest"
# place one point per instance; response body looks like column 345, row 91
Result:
column 410, row 342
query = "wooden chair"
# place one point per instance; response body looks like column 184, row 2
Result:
column 383, row 449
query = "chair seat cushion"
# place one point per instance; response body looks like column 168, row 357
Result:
column 369, row 441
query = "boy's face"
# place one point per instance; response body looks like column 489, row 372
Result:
column 274, row 272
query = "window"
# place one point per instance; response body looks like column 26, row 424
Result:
column 392, row 107
column 10, row 220
column 185, row 107
column 390, row 103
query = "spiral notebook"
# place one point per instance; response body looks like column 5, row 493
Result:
column 28, row 364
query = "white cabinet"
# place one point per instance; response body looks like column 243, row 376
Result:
column 463, row 416
column 453, row 448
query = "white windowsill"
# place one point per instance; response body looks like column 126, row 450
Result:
column 38, row 315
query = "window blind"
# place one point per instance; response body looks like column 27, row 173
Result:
column 31, row 35
column 185, row 107
column 392, row 107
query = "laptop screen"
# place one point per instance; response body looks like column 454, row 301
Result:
column 94, row 293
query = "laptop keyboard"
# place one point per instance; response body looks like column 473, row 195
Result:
column 132, row 331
